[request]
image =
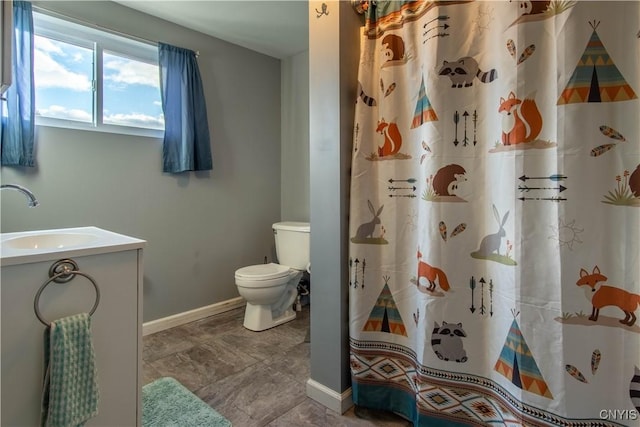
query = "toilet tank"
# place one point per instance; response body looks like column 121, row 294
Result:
column 292, row 243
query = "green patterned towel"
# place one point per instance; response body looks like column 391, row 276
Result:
column 70, row 394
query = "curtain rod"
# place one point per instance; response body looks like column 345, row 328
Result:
column 49, row 12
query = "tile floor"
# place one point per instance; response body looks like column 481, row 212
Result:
column 254, row 379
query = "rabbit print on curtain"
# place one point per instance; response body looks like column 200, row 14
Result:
column 495, row 213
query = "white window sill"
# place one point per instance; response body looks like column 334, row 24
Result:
column 122, row 130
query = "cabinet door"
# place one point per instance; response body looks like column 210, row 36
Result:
column 115, row 328
column 6, row 35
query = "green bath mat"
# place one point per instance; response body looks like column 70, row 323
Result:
column 166, row 402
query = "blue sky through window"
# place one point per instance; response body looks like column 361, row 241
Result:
column 63, row 75
column 63, row 78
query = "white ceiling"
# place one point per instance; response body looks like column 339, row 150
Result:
column 274, row 28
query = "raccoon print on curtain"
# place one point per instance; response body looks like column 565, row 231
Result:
column 495, row 213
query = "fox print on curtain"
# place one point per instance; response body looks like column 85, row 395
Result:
column 186, row 145
column 495, row 213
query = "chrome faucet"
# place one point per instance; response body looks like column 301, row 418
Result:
column 32, row 201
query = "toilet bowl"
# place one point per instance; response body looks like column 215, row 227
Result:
column 271, row 289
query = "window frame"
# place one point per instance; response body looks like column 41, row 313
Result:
column 98, row 39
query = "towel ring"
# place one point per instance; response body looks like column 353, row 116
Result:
column 64, row 273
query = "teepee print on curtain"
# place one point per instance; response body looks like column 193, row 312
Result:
column 490, row 155
column 385, row 316
column 596, row 78
column 424, row 111
column 518, row 365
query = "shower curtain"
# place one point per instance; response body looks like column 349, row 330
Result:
column 494, row 267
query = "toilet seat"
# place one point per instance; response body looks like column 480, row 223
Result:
column 262, row 275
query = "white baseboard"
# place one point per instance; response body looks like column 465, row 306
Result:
column 158, row 325
column 337, row 402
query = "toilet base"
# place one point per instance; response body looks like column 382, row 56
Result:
column 259, row 317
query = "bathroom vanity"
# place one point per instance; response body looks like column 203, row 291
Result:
column 114, row 262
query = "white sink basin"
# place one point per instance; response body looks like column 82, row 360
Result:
column 43, row 245
column 50, row 241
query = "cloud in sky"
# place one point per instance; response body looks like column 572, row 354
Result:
column 60, row 112
column 135, row 119
column 50, row 73
column 124, row 71
column 47, row 45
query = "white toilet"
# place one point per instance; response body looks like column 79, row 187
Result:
column 271, row 289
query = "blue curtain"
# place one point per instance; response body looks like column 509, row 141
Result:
column 18, row 127
column 186, row 145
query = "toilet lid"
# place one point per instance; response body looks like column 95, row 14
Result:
column 263, row 271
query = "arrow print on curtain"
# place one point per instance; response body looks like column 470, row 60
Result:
column 523, row 188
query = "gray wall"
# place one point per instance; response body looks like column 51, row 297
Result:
column 295, row 138
column 199, row 227
column 333, row 68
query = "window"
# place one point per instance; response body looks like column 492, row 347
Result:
column 86, row 78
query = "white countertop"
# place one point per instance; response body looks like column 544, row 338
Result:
column 90, row 241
